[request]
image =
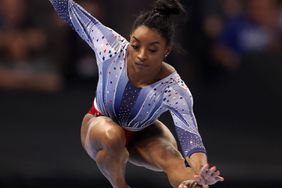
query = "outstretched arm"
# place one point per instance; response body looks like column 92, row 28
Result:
column 196, row 156
column 189, row 137
column 62, row 9
column 104, row 41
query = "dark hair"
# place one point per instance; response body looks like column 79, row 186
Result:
column 159, row 18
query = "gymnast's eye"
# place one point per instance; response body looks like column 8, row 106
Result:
column 153, row 50
column 135, row 47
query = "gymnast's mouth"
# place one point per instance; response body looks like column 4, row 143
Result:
column 141, row 65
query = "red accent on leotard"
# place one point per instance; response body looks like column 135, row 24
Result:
column 94, row 111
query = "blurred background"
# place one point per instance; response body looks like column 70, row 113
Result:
column 48, row 75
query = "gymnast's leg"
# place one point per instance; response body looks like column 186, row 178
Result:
column 155, row 148
column 105, row 142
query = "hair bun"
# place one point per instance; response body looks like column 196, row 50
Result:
column 168, row 7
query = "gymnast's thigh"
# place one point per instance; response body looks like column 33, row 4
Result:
column 100, row 132
column 153, row 146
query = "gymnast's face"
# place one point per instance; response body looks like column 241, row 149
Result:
column 147, row 50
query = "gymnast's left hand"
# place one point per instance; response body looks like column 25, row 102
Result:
column 208, row 176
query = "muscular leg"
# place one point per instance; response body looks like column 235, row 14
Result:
column 105, row 141
column 155, row 148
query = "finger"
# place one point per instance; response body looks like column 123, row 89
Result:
column 213, row 169
column 210, row 171
column 212, row 174
column 217, row 173
column 219, row 178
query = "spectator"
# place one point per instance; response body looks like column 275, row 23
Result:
column 256, row 30
column 23, row 62
column 218, row 13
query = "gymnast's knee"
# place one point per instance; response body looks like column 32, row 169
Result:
column 84, row 128
column 107, row 132
column 114, row 138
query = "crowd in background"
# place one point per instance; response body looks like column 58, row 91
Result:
column 237, row 27
column 38, row 51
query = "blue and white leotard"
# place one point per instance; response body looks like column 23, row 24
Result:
column 131, row 107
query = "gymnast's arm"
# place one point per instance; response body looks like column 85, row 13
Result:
column 104, row 41
column 190, row 140
column 181, row 109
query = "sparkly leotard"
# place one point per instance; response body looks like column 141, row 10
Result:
column 131, row 107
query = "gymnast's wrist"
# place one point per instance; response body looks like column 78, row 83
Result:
column 197, row 161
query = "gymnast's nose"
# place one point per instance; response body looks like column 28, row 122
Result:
column 142, row 55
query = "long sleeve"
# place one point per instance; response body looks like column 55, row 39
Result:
column 104, row 41
column 181, row 109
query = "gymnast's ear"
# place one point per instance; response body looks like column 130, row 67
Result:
column 167, row 52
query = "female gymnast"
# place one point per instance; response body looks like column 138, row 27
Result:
column 135, row 87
